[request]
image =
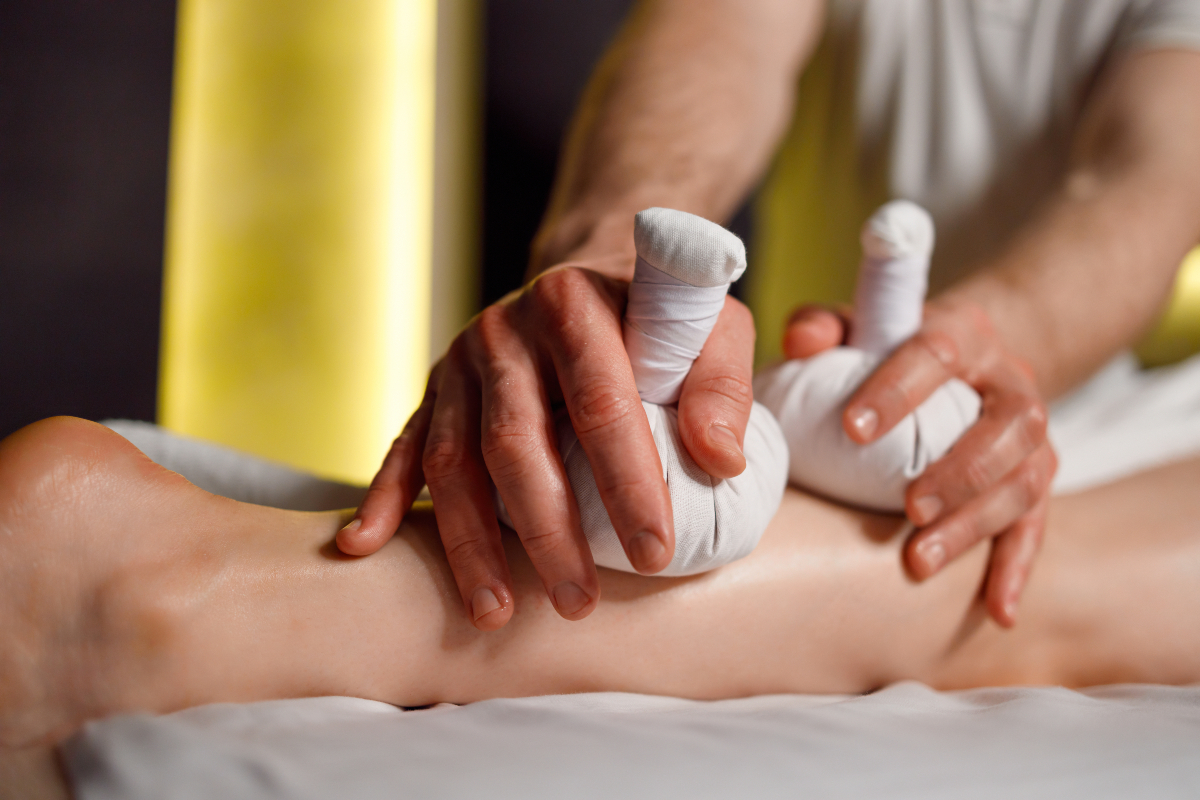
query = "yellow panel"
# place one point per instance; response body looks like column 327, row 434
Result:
column 457, row 153
column 1177, row 335
column 297, row 286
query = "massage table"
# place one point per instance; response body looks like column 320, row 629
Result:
column 905, row 740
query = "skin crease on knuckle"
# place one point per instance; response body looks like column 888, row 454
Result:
column 512, row 448
column 545, row 547
column 464, row 552
column 565, row 300
column 1032, row 422
column 443, row 459
column 942, row 348
column 598, row 406
column 733, row 387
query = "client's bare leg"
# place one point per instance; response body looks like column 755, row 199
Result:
column 125, row 587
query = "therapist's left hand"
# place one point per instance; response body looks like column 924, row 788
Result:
column 995, row 481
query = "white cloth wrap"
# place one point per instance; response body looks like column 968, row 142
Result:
column 684, row 267
column 716, row 521
column 808, row 397
column 893, row 276
column 667, row 322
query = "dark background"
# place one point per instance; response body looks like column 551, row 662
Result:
column 85, row 93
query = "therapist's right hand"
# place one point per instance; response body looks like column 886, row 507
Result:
column 487, row 418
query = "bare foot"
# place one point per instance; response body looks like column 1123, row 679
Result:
column 87, row 608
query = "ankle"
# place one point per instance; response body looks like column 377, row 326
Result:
column 86, row 633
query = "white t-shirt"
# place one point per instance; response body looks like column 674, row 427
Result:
column 968, row 107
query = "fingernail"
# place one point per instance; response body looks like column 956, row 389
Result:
column 927, row 508
column 724, row 438
column 865, row 422
column 483, row 602
column 569, row 598
column 1010, row 609
column 933, row 553
column 645, row 551
column 352, row 525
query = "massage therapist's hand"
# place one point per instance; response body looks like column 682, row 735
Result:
column 995, row 481
column 488, row 418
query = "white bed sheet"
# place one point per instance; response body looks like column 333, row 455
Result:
column 904, row 741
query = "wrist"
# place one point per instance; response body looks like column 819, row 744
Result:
column 598, row 241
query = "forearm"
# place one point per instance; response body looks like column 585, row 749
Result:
column 684, row 111
column 1091, row 270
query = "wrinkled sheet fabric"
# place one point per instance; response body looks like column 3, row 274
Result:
column 236, row 475
column 905, row 741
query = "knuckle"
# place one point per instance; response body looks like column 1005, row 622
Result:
column 544, row 546
column 1029, row 485
column 598, row 404
column 443, row 458
column 559, row 294
column 977, row 476
column 940, row 346
column 507, row 445
column 458, row 355
column 1043, row 470
column 978, row 320
column 1032, row 421
column 1051, row 463
column 732, row 386
column 465, row 549
column 377, row 500
column 963, row 535
column 492, row 331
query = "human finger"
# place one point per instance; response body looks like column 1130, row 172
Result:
column 394, row 487
column 588, row 354
column 813, row 329
column 715, row 403
column 901, row 383
column 934, row 546
column 1012, row 560
column 1011, row 427
column 462, row 498
column 518, row 446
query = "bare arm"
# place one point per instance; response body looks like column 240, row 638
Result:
column 1092, row 271
column 1082, row 280
column 685, row 111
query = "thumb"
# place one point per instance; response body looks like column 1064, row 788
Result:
column 715, row 403
column 813, row 329
column 393, row 489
